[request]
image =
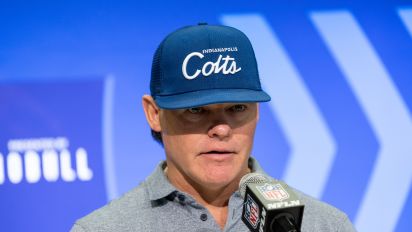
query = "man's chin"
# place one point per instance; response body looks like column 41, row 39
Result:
column 218, row 181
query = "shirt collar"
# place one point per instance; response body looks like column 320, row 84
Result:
column 158, row 185
column 255, row 166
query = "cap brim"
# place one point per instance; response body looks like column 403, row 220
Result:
column 213, row 96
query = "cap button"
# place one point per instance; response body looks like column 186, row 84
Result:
column 202, row 23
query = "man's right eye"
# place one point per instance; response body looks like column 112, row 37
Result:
column 195, row 110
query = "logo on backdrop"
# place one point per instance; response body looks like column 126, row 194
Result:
column 225, row 65
column 273, row 192
column 49, row 158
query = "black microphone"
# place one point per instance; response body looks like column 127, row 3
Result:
column 269, row 205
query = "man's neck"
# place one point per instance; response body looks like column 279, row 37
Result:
column 215, row 200
column 205, row 195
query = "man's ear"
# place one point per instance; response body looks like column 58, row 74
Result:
column 152, row 112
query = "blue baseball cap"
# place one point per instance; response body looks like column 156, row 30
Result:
column 204, row 64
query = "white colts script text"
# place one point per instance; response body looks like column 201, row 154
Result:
column 226, row 65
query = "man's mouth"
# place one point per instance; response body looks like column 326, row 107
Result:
column 218, row 155
column 218, row 152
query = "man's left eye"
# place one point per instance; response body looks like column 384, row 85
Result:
column 238, row 108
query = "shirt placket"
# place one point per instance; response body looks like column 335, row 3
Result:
column 203, row 220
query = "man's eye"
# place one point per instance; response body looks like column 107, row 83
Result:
column 195, row 110
column 239, row 108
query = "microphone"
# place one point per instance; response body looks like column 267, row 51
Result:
column 269, row 205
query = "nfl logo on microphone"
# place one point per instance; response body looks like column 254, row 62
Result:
column 273, row 192
column 251, row 212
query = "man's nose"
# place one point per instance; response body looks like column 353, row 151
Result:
column 220, row 131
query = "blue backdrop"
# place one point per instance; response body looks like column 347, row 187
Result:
column 339, row 126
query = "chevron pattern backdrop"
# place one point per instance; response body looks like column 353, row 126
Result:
column 339, row 126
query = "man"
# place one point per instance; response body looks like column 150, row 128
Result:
column 203, row 109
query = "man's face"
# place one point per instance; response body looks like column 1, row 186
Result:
column 209, row 145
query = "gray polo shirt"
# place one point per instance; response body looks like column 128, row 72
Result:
column 156, row 205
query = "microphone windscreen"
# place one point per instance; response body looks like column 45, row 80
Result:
column 251, row 178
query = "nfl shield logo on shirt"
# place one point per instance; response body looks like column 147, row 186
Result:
column 251, row 212
column 273, row 192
